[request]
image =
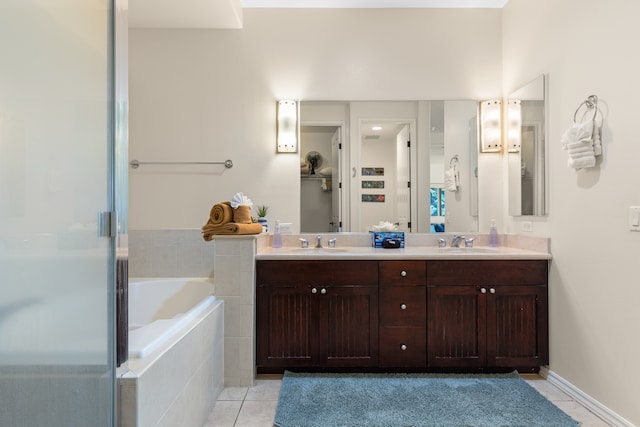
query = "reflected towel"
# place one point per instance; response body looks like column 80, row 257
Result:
column 230, row 228
column 221, row 213
column 452, row 179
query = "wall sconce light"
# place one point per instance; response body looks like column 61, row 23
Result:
column 287, row 127
column 490, row 132
column 514, row 117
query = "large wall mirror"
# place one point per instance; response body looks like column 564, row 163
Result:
column 526, row 150
column 365, row 162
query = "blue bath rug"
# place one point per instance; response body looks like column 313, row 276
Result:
column 414, row 400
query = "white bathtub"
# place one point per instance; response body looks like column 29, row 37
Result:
column 159, row 307
column 175, row 369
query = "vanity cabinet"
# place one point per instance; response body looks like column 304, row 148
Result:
column 485, row 313
column 452, row 315
column 316, row 314
column 403, row 308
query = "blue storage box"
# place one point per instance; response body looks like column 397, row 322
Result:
column 377, row 237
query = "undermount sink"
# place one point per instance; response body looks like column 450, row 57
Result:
column 468, row 250
column 312, row 251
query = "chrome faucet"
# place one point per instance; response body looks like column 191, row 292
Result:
column 455, row 242
column 318, row 241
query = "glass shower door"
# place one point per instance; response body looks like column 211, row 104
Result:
column 57, row 363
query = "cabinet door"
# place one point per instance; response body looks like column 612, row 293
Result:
column 517, row 326
column 287, row 319
column 349, row 326
column 456, row 333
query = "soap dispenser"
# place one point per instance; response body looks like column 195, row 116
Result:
column 277, row 237
column 493, row 235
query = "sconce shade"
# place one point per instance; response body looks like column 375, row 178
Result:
column 287, row 127
column 491, row 134
column 514, row 117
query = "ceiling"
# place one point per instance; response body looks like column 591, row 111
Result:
column 228, row 13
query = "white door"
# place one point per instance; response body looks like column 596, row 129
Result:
column 336, row 185
column 402, row 206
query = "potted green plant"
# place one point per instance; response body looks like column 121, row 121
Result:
column 262, row 210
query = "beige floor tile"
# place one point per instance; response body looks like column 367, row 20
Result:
column 257, row 413
column 547, row 389
column 264, row 390
column 580, row 413
column 233, row 393
column 224, row 414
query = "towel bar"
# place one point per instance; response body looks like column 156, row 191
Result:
column 136, row 163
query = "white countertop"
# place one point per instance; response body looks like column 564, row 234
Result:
column 408, row 253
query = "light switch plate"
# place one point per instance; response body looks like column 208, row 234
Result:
column 634, row 218
column 527, row 226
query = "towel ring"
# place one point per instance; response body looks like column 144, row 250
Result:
column 591, row 103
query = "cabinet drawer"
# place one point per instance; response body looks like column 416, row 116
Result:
column 487, row 272
column 408, row 273
column 403, row 347
column 403, row 306
column 316, row 273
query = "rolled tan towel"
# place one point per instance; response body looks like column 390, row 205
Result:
column 210, row 230
column 221, row 213
column 242, row 215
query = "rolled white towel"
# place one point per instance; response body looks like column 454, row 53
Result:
column 597, row 143
column 582, row 162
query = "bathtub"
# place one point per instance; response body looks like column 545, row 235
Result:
column 175, row 369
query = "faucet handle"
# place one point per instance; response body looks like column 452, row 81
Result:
column 304, row 242
column 332, row 242
column 468, row 243
column 442, row 243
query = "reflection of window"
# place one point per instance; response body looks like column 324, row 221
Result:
column 437, row 201
column 436, row 207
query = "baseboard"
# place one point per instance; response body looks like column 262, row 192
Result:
column 584, row 399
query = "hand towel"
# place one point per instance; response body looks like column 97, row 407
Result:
column 221, row 213
column 452, row 179
column 588, row 161
column 230, row 228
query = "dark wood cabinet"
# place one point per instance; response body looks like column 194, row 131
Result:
column 403, row 308
column 487, row 314
column 316, row 314
column 418, row 315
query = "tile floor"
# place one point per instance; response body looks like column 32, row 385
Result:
column 256, row 406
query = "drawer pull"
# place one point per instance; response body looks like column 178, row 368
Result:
column 314, row 291
column 403, row 347
column 493, row 291
column 403, row 273
column 403, row 306
column 483, row 290
column 323, row 291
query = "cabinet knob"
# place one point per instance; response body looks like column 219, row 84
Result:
column 403, row 306
column 483, row 290
column 403, row 273
column 323, row 291
column 314, row 291
column 403, row 347
column 493, row 291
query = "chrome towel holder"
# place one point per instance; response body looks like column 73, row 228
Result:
column 136, row 163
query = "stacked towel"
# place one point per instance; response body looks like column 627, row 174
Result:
column 209, row 230
column 582, row 142
column 225, row 219
column 452, row 179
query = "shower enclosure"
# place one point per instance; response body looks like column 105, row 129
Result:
column 57, row 259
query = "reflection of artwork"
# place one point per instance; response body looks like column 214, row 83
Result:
column 372, row 171
column 379, row 198
column 372, row 184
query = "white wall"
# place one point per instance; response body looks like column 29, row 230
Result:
column 588, row 47
column 210, row 94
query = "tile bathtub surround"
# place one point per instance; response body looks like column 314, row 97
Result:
column 169, row 253
column 256, row 406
